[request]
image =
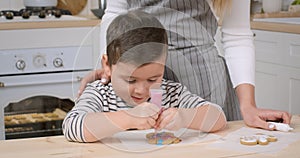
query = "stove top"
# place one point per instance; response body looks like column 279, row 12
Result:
column 46, row 19
column 33, row 12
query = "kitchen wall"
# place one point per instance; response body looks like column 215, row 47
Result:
column 18, row 4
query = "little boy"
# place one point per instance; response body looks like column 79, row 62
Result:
column 136, row 54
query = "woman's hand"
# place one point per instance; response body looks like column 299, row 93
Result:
column 256, row 117
column 102, row 74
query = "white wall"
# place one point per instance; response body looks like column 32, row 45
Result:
column 18, row 4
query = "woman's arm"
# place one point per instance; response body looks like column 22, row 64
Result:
column 237, row 39
column 240, row 59
column 113, row 9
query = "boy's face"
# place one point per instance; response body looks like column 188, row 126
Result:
column 132, row 83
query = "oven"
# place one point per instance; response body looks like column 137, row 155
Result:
column 38, row 87
column 41, row 69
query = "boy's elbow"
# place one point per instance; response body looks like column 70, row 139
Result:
column 220, row 123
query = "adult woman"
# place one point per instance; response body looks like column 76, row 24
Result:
column 194, row 60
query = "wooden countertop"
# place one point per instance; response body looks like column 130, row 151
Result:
column 93, row 21
column 277, row 27
column 274, row 26
column 57, row 146
column 88, row 22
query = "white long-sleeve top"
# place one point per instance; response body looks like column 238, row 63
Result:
column 237, row 36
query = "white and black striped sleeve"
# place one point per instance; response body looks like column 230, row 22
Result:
column 92, row 100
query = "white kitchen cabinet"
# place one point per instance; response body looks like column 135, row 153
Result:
column 40, row 61
column 277, row 70
column 52, row 38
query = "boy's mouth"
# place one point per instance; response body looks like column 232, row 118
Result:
column 137, row 99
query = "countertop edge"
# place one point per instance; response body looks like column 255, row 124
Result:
column 267, row 26
column 277, row 27
column 49, row 24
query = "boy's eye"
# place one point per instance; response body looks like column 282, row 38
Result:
column 152, row 80
column 130, row 81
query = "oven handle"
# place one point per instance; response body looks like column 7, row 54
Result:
column 40, row 79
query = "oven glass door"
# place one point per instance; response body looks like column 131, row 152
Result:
column 35, row 117
column 34, row 94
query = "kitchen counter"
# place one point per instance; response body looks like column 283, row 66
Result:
column 36, row 23
column 57, row 146
column 287, row 22
column 93, row 21
column 275, row 26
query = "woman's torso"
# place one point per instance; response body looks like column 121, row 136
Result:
column 188, row 22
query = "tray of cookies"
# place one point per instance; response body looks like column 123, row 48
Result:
column 30, row 118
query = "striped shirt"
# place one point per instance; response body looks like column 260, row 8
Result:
column 193, row 59
column 102, row 98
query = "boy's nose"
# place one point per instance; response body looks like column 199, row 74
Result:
column 141, row 89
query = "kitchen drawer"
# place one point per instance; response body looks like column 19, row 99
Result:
column 277, row 48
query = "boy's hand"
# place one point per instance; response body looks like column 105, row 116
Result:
column 143, row 116
column 169, row 119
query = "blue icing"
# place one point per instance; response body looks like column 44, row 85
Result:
column 159, row 142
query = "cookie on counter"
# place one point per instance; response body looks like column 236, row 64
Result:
column 258, row 138
column 162, row 138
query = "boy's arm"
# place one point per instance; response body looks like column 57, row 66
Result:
column 207, row 118
column 187, row 110
column 104, row 124
column 100, row 125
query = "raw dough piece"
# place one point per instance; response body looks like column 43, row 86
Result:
column 162, row 138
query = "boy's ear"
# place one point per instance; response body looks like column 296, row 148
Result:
column 105, row 65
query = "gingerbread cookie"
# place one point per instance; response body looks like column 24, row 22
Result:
column 248, row 140
column 258, row 138
column 162, row 138
column 269, row 138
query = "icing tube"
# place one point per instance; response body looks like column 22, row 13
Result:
column 156, row 95
column 94, row 129
column 281, row 126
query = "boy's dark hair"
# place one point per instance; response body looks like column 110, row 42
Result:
column 137, row 38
